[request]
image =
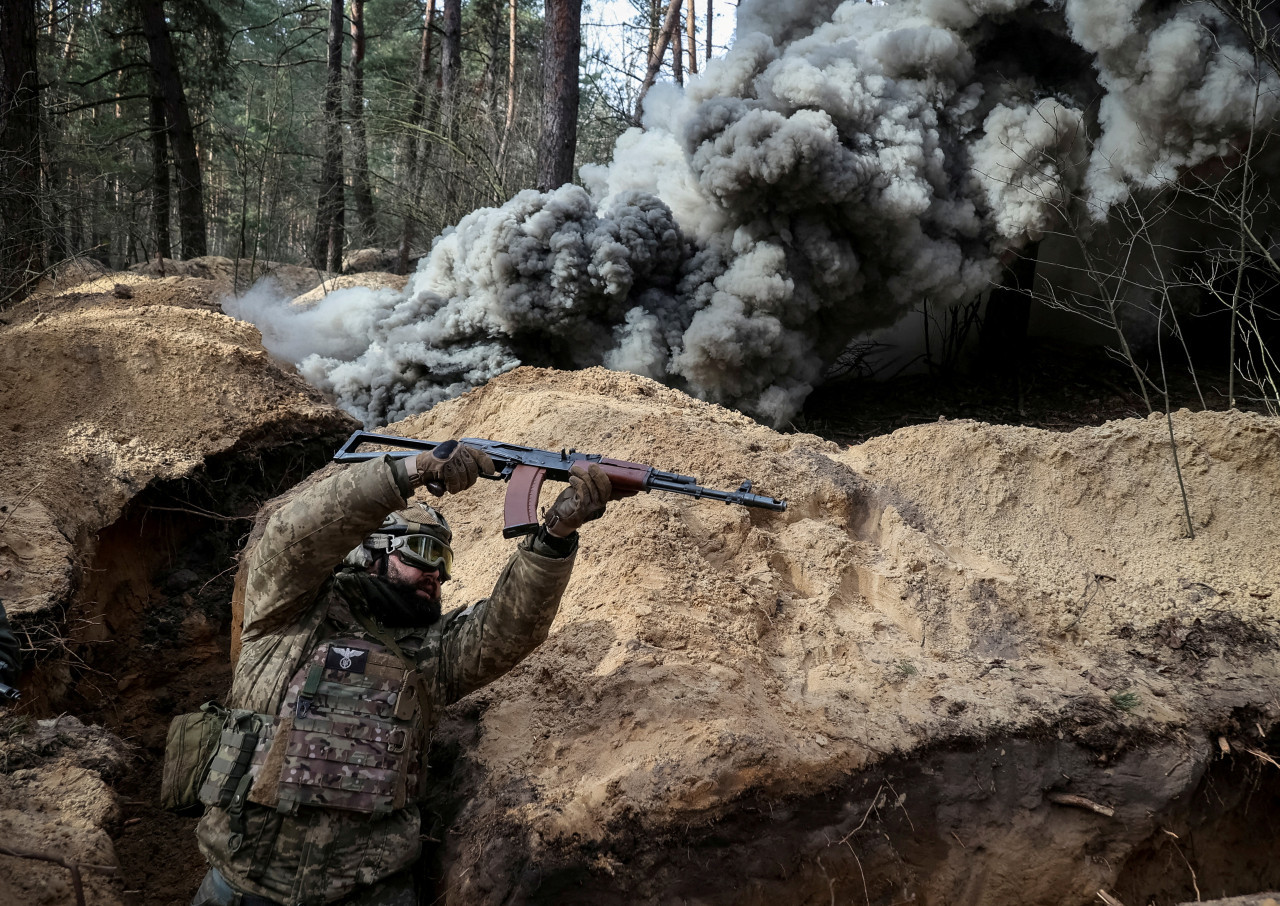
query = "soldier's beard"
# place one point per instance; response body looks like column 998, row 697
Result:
column 396, row 604
column 404, row 607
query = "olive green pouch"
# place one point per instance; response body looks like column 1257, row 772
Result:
column 188, row 751
column 232, row 754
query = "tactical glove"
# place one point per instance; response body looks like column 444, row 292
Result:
column 450, row 468
column 589, row 490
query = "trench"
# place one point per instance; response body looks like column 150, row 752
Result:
column 980, row 825
column 148, row 637
column 968, row 823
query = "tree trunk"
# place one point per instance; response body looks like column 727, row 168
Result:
column 710, row 13
column 160, row 176
column 21, row 246
column 655, row 19
column 326, row 250
column 451, row 59
column 186, row 160
column 677, row 53
column 51, row 191
column 511, row 80
column 669, row 27
column 412, row 158
column 561, row 53
column 692, row 21
column 359, row 141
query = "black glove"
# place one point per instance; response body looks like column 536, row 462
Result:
column 589, row 490
column 450, row 468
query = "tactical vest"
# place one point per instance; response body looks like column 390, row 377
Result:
column 348, row 736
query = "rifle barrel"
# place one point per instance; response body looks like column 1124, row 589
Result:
column 741, row 498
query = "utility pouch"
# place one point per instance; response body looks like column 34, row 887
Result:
column 188, row 750
column 231, row 758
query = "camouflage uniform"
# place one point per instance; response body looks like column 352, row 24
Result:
column 291, row 610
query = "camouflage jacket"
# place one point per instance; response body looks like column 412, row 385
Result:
column 321, row 855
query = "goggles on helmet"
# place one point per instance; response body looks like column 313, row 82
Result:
column 424, row 552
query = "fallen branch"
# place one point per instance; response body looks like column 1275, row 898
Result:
column 1080, row 802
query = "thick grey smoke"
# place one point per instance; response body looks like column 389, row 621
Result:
column 840, row 164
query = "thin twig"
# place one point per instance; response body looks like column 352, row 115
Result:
column 1187, row 861
column 206, row 514
column 1261, row 756
column 20, row 504
column 1168, row 417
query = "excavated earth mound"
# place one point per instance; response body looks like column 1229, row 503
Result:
column 970, row 664
column 365, row 279
column 54, row 806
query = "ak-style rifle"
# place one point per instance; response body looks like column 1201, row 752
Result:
column 526, row 468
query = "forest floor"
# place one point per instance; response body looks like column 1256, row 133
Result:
column 1059, row 387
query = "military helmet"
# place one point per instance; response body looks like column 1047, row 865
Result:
column 419, row 534
column 418, row 519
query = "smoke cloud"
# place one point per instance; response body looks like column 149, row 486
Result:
column 840, row 164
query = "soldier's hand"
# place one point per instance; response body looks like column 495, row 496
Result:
column 589, row 490
column 451, row 467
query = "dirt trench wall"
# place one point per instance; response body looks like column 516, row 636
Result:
column 948, row 587
column 105, row 398
column 984, row 824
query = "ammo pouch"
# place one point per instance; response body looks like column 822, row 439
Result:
column 188, row 750
column 228, row 779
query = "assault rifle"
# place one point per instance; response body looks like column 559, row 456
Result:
column 526, row 468
column 9, row 694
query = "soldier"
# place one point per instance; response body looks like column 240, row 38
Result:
column 344, row 670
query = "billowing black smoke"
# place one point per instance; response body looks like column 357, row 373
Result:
column 840, row 164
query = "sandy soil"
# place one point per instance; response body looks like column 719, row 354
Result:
column 104, row 395
column 948, row 583
column 232, row 276
column 55, row 803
